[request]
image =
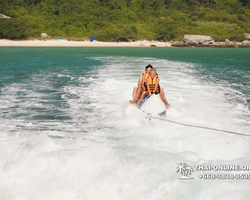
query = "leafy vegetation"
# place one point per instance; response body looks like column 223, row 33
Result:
column 125, row 20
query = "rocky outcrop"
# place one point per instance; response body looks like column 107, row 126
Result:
column 227, row 42
column 44, row 35
column 246, row 43
column 230, row 43
column 4, row 16
column 179, row 44
column 194, row 40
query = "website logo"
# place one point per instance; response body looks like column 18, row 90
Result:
column 185, row 171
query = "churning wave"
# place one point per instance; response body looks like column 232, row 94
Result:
column 63, row 135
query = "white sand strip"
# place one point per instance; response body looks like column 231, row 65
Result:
column 66, row 43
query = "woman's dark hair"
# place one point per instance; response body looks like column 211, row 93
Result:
column 148, row 66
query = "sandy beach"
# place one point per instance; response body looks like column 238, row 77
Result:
column 66, row 43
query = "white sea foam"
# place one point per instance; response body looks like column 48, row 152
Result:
column 68, row 76
column 98, row 153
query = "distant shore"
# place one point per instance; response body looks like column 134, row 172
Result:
column 139, row 43
column 66, row 43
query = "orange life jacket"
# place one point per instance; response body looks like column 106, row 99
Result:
column 152, row 83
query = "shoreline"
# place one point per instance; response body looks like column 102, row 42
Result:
column 139, row 43
column 66, row 43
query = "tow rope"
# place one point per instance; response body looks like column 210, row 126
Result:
column 203, row 127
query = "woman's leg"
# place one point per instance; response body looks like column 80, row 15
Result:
column 136, row 95
column 135, row 92
column 144, row 93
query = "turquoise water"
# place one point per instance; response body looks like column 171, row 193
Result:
column 63, row 135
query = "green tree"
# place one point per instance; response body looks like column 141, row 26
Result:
column 13, row 29
column 165, row 30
